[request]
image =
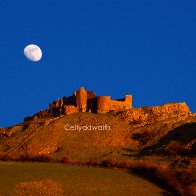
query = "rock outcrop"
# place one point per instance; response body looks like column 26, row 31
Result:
column 149, row 115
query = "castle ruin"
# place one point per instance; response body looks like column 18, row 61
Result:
column 86, row 101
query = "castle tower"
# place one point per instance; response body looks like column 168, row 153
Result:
column 103, row 104
column 81, row 99
column 128, row 100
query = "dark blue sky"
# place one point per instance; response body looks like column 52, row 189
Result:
column 115, row 47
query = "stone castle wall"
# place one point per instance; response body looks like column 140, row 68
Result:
column 86, row 101
column 105, row 104
column 83, row 101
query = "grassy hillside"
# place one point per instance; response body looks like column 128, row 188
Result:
column 32, row 178
column 48, row 136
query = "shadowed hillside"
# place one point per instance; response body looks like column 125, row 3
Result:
column 180, row 140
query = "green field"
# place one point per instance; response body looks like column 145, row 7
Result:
column 58, row 179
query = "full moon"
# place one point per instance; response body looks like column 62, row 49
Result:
column 33, row 52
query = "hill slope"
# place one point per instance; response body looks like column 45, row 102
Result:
column 49, row 136
column 113, row 134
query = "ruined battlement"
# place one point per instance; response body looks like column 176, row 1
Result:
column 86, row 101
column 83, row 101
column 105, row 104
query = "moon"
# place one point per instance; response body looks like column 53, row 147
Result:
column 33, row 52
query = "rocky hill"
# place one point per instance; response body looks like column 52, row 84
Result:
column 162, row 135
column 85, row 135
